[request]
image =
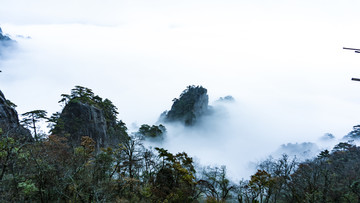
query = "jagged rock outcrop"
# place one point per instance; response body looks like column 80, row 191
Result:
column 87, row 114
column 191, row 105
column 81, row 119
column 5, row 40
column 354, row 134
column 5, row 43
column 228, row 98
column 8, row 115
column 9, row 121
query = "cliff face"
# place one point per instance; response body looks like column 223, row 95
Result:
column 81, row 119
column 8, row 115
column 201, row 106
column 191, row 105
column 87, row 114
column 9, row 121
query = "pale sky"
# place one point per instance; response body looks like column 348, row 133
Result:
column 282, row 61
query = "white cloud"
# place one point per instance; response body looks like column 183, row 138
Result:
column 282, row 61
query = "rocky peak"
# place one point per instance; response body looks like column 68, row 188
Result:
column 8, row 115
column 87, row 114
column 5, row 42
column 9, row 120
column 191, row 105
column 81, row 119
column 4, row 38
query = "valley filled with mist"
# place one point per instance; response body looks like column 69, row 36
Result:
column 275, row 109
column 231, row 101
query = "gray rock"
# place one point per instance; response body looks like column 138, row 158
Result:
column 4, row 38
column 9, row 121
column 191, row 105
column 80, row 120
column 8, row 115
column 201, row 106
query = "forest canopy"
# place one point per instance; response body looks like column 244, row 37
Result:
column 55, row 169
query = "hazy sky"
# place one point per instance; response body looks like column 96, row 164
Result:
column 282, row 61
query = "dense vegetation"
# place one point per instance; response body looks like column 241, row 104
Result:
column 85, row 95
column 153, row 131
column 52, row 169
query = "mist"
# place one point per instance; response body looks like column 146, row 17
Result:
column 283, row 63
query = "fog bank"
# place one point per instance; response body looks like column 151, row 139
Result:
column 283, row 62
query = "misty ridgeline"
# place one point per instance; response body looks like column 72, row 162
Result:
column 89, row 155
